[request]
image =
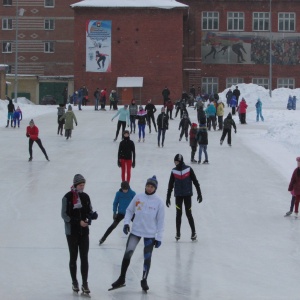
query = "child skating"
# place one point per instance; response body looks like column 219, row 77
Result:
column 294, row 186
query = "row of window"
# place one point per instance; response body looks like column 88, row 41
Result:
column 211, row 85
column 260, row 21
column 7, row 24
column 47, row 3
column 7, row 47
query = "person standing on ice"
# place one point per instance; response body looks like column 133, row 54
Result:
column 123, row 114
column 32, row 132
column 148, row 223
column 162, row 125
column 142, row 117
column 70, row 117
column 258, row 107
column 10, row 112
column 181, row 179
column 122, row 199
column 126, row 156
column 228, row 123
column 77, row 213
column 294, row 185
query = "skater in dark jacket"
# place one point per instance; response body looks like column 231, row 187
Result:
column 184, row 125
column 148, row 223
column 163, row 125
column 133, row 109
column 126, row 156
column 202, row 139
column 228, row 123
column 150, row 109
column 61, row 122
column 10, row 112
column 122, row 200
column 193, row 141
column 181, row 180
column 201, row 116
column 294, row 186
column 77, row 213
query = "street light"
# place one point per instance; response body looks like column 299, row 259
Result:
column 18, row 13
column 270, row 50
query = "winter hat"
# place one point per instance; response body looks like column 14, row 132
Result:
column 298, row 159
column 126, row 131
column 125, row 185
column 178, row 157
column 141, row 107
column 126, row 105
column 152, row 181
column 194, row 125
column 70, row 107
column 219, row 101
column 31, row 122
column 162, row 109
column 78, row 178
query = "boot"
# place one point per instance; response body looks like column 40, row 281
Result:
column 119, row 282
column 7, row 123
column 144, row 285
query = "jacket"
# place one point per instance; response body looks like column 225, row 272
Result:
column 69, row 116
column 123, row 114
column 141, row 116
column 162, row 121
column 220, row 109
column 193, row 139
column 122, row 200
column 169, row 105
column 228, row 122
column 202, row 136
column 150, row 109
column 32, row 133
column 243, row 107
column 210, row 110
column 185, row 123
column 126, row 149
column 295, row 182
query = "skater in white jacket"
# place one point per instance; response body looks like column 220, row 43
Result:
column 148, row 223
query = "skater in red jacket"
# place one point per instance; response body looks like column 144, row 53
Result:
column 295, row 185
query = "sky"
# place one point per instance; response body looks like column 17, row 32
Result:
column 246, row 248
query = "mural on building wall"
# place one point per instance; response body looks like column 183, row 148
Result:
column 250, row 48
column 98, row 46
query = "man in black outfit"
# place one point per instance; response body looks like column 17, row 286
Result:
column 150, row 109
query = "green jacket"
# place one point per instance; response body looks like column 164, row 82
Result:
column 69, row 116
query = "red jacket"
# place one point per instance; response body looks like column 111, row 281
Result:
column 242, row 107
column 295, row 183
column 170, row 105
column 32, row 133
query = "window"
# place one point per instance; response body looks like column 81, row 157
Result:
column 6, row 24
column 286, row 83
column 264, row 82
column 49, row 3
column 49, row 24
column 210, row 85
column 235, row 21
column 261, row 21
column 7, row 2
column 6, row 47
column 286, row 21
column 210, row 20
column 233, row 81
column 49, row 47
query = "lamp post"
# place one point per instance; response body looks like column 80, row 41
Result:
column 270, row 50
column 18, row 13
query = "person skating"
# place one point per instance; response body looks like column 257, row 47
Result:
column 258, row 106
column 170, row 106
column 150, row 109
column 233, row 105
column 123, row 114
column 60, row 112
column 184, row 125
column 10, row 112
column 193, row 141
column 142, row 117
column 148, row 223
column 202, row 139
column 294, row 186
column 163, row 125
column 211, row 116
column 133, row 109
column 126, row 156
column 122, row 199
column 220, row 113
column 69, row 117
column 18, row 116
column 242, row 109
column 77, row 213
column 291, row 206
column 32, row 132
column 181, row 179
column 228, row 123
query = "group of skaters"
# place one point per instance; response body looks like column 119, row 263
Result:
column 14, row 116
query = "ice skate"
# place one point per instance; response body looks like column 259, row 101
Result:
column 288, row 213
column 101, row 241
column 221, row 142
column 194, row 236
column 75, row 286
column 115, row 139
column 85, row 289
column 296, row 215
column 199, row 162
column 177, row 237
column 229, row 145
column 119, row 283
column 30, row 158
column 144, row 285
column 205, row 162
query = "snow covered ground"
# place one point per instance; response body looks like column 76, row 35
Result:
column 246, row 249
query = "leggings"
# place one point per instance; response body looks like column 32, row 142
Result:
column 39, row 142
column 115, row 223
column 123, row 124
column 142, row 130
column 187, row 200
column 126, row 169
column 132, row 242
column 81, row 243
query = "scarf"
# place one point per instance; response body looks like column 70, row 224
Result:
column 76, row 200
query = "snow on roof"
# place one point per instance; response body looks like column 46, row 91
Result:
column 130, row 82
column 165, row 4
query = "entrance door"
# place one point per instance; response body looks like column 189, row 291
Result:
column 126, row 95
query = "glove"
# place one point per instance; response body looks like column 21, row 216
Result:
column 235, row 131
column 27, row 134
column 114, row 216
column 157, row 244
column 168, row 202
column 112, row 119
column 126, row 229
column 133, row 164
column 94, row 215
column 199, row 198
column 119, row 164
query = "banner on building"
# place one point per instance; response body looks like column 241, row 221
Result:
column 98, row 46
column 250, row 48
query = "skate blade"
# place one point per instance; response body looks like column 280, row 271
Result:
column 86, row 295
column 118, row 287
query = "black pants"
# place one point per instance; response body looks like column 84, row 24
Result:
column 211, row 120
column 149, row 118
column 132, row 123
column 169, row 113
column 220, row 121
column 225, row 132
column 39, row 142
column 81, row 243
column 187, row 200
column 243, row 118
column 184, row 131
column 123, row 124
column 115, row 223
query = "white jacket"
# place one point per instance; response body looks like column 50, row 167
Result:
column 149, row 217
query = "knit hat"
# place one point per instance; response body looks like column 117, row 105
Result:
column 31, row 122
column 78, row 178
column 125, row 185
column 141, row 107
column 126, row 131
column 70, row 107
column 152, row 181
column 178, row 157
column 125, row 105
column 162, row 109
column 194, row 125
column 298, row 159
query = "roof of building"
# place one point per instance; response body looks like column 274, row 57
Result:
column 164, row 4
